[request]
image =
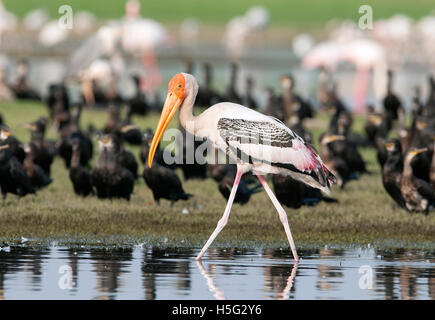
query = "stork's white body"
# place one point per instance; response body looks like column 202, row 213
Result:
column 206, row 126
column 257, row 142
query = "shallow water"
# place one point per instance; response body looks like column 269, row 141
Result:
column 151, row 273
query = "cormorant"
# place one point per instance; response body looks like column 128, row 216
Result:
column 207, row 96
column 292, row 102
column 231, row 94
column 43, row 151
column 13, row 177
column 110, row 179
column 193, row 170
column 80, row 176
column 71, row 132
column 138, row 104
column 225, row 174
column 159, row 156
column 418, row 194
column 392, row 171
column 15, row 146
column 334, row 162
column 391, row 102
column 294, row 194
column 163, row 182
column 38, row 177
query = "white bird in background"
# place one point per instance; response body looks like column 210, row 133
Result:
column 255, row 142
column 35, row 19
column 238, row 30
column 189, row 34
column 8, row 21
column 133, row 35
column 84, row 22
column 52, row 34
column 426, row 30
column 366, row 55
column 5, row 92
column 325, row 54
column 395, row 35
column 302, row 44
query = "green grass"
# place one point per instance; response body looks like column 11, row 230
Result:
column 364, row 215
column 294, row 12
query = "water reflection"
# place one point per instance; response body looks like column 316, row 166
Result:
column 108, row 268
column 153, row 273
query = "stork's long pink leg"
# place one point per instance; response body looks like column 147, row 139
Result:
column 282, row 215
column 224, row 220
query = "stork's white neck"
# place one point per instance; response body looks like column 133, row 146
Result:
column 186, row 108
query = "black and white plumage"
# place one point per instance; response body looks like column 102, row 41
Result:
column 269, row 146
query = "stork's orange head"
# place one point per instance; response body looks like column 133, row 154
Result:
column 177, row 85
column 175, row 97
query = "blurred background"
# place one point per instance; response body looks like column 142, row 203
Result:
column 111, row 40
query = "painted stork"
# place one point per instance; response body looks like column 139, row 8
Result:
column 256, row 142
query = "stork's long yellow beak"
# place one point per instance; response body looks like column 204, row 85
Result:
column 172, row 103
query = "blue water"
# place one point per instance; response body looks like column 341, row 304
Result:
column 149, row 273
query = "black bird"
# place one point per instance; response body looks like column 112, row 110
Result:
column 334, row 162
column 345, row 150
column 15, row 146
column 375, row 126
column 21, row 88
column 1, row 119
column 225, row 175
column 159, row 155
column 44, row 150
column 130, row 133
column 432, row 167
column 429, row 107
column 292, row 102
column 207, row 96
column 274, row 107
column 418, row 194
column 124, row 157
column 249, row 100
column 391, row 102
column 231, row 94
column 294, row 194
column 392, row 171
column 163, row 182
column 296, row 125
column 13, row 177
column 190, row 170
column 138, row 104
column 58, row 105
column 110, row 179
column 38, row 177
column 72, row 132
column 244, row 192
column 81, row 177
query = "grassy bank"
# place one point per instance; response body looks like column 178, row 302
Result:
column 364, row 215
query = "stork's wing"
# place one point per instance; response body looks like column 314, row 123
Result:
column 273, row 143
column 89, row 51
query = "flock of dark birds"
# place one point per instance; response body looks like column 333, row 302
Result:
column 407, row 162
